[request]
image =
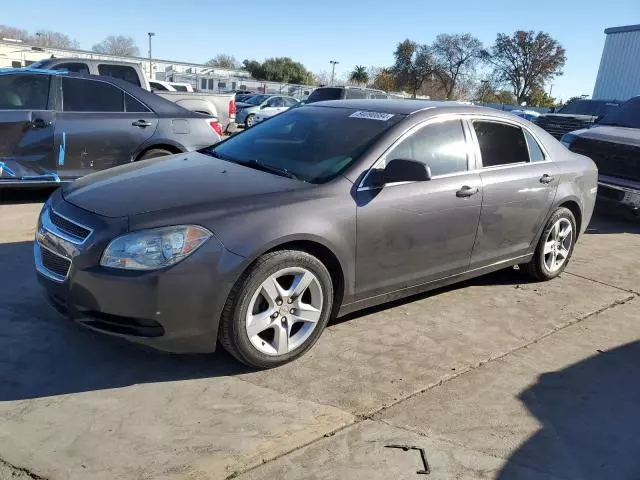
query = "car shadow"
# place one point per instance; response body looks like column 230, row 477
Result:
column 608, row 222
column 589, row 418
column 9, row 196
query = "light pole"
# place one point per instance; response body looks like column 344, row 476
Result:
column 550, row 89
column 151, row 34
column 333, row 69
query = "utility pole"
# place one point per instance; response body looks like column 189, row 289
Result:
column 333, row 68
column 151, row 34
column 550, row 90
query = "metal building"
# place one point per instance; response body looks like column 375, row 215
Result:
column 619, row 72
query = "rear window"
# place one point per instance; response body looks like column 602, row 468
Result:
column 501, row 144
column 24, row 92
column 179, row 88
column 313, row 143
column 356, row 94
column 321, row 94
column 128, row 74
column 75, row 67
column 596, row 108
column 627, row 115
column 158, row 86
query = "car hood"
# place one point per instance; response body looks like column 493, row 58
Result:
column 568, row 116
column 612, row 134
column 172, row 182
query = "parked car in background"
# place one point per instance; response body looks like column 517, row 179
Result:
column 161, row 86
column 268, row 105
column 323, row 210
column 219, row 105
column 265, row 113
column 614, row 145
column 344, row 93
column 241, row 97
column 530, row 115
column 56, row 127
column 576, row 115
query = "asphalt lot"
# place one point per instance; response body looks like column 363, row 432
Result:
column 495, row 378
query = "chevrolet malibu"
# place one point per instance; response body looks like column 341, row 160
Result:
column 258, row 241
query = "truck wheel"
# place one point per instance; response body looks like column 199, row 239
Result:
column 155, row 153
column 277, row 309
column 250, row 121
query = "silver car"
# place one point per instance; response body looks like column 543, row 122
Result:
column 323, row 210
column 266, row 105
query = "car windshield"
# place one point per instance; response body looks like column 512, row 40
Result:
column 313, row 144
column 320, row 94
column 596, row 108
column 627, row 115
column 256, row 99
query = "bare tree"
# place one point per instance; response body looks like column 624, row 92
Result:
column 46, row 38
column 14, row 33
column 413, row 65
column 222, row 60
column 524, row 60
column 117, row 45
column 456, row 57
column 322, row 78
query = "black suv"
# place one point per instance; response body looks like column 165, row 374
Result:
column 614, row 145
column 575, row 115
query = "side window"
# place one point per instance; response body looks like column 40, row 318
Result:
column 80, row 95
column 275, row 102
column 24, row 92
column 122, row 72
column 501, row 143
column 75, row 67
column 535, row 152
column 134, row 105
column 203, row 83
column 289, row 102
column 158, row 87
column 440, row 146
column 355, row 94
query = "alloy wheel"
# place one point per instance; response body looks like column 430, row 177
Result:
column 557, row 245
column 284, row 311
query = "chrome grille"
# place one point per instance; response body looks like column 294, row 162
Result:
column 558, row 126
column 68, row 227
column 54, row 262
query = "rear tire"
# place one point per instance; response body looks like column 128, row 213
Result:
column 555, row 246
column 264, row 323
column 154, row 153
column 250, row 121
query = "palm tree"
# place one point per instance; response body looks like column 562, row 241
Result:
column 359, row 75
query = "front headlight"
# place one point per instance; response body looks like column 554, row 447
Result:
column 154, row 248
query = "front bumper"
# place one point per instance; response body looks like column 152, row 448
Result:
column 626, row 193
column 176, row 309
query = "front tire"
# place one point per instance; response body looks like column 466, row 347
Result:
column 554, row 247
column 277, row 310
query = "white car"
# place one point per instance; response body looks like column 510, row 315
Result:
column 270, row 106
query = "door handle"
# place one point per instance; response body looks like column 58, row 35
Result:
column 141, row 123
column 546, row 178
column 40, row 123
column 467, row 191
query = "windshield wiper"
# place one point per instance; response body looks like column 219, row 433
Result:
column 258, row 165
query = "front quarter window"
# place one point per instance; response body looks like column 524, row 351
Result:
column 314, row 144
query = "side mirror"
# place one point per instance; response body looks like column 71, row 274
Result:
column 403, row 170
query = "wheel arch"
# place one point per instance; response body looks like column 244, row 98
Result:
column 171, row 147
column 575, row 208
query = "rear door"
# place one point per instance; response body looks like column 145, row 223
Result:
column 519, row 183
column 100, row 126
column 26, row 128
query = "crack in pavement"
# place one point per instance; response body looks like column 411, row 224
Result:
column 20, row 470
column 602, row 283
column 374, row 413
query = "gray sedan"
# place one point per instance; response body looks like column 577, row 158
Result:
column 58, row 126
column 323, row 210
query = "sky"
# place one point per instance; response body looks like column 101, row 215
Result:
column 355, row 32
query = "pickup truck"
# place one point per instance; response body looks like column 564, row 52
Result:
column 219, row 105
column 614, row 145
column 575, row 115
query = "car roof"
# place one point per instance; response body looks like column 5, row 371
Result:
column 395, row 106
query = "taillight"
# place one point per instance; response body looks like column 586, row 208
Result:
column 232, row 107
column 216, row 126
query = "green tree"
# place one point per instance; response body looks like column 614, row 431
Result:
column 359, row 75
column 222, row 60
column 540, row 98
column 413, row 65
column 456, row 57
column 524, row 60
column 117, row 45
column 281, row 69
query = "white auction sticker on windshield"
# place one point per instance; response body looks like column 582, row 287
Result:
column 372, row 115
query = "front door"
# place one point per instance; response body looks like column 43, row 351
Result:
column 519, row 184
column 100, row 126
column 26, row 129
column 273, row 106
column 412, row 233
